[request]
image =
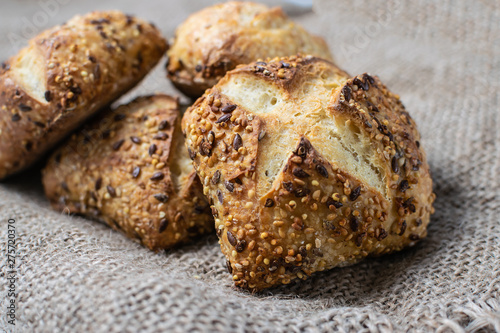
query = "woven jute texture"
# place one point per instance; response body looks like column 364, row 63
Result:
column 442, row 57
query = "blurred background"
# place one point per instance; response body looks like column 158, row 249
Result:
column 22, row 20
column 388, row 38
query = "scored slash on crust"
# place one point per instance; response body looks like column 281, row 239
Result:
column 317, row 212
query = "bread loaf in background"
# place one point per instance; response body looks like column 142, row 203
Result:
column 307, row 168
column 65, row 75
column 218, row 38
column 130, row 169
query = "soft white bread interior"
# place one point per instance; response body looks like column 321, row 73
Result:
column 305, row 116
column 29, row 72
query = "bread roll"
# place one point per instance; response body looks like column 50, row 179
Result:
column 130, row 169
column 66, row 74
column 218, row 38
column 307, row 169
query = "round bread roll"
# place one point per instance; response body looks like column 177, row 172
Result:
column 307, row 169
column 218, row 38
column 65, row 75
column 130, row 169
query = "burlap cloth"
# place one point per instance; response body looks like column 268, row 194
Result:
column 442, row 57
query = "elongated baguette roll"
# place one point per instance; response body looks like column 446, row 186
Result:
column 307, row 169
column 130, row 169
column 65, row 75
column 218, row 38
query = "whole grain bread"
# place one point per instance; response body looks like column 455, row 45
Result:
column 130, row 169
column 65, row 75
column 218, row 38
column 307, row 169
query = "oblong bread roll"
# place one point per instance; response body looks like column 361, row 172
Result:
column 65, row 75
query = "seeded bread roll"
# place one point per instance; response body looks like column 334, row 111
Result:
column 130, row 169
column 66, row 74
column 307, row 169
column 218, row 38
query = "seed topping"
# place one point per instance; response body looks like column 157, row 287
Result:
column 216, row 177
column 298, row 172
column 229, row 186
column 161, row 136
column 404, row 185
column 161, row 197
column 231, row 238
column 152, row 149
column 322, row 170
column 228, row 108
column 223, row 119
column 355, row 193
column 163, row 125
column 136, row 172
column 118, row 144
column 237, row 142
column 269, row 202
column 157, row 176
column 135, row 139
column 98, row 184
column 24, row 108
column 163, row 225
column 111, row 191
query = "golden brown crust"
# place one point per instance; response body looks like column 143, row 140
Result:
column 218, row 38
column 351, row 178
column 66, row 74
column 125, row 169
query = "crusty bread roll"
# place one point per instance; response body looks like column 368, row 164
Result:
column 66, row 74
column 218, row 38
column 307, row 169
column 130, row 169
